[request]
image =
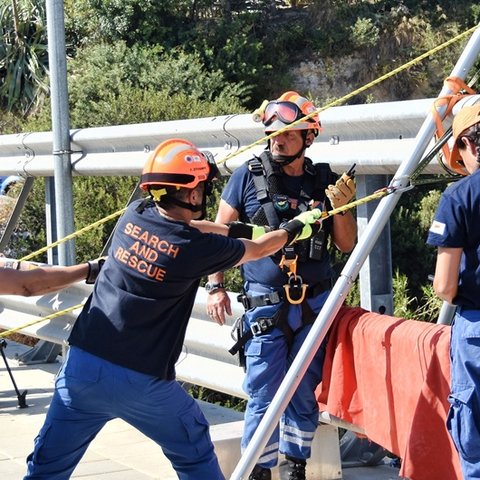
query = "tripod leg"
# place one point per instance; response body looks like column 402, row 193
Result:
column 21, row 397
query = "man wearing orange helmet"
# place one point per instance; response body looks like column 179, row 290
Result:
column 283, row 293
column 126, row 340
column 455, row 231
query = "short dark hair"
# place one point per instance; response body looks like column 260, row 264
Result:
column 473, row 134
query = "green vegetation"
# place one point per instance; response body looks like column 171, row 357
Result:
column 135, row 61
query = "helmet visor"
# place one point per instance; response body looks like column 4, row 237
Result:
column 286, row 112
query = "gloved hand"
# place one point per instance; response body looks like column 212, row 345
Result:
column 300, row 227
column 94, row 267
column 342, row 192
column 246, row 230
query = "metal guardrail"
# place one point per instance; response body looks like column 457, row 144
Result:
column 377, row 137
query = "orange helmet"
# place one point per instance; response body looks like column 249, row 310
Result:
column 177, row 163
column 287, row 109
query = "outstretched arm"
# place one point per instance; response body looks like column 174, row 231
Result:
column 30, row 279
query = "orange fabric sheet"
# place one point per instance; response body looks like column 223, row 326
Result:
column 391, row 377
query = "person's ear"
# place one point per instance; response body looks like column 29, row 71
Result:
column 310, row 138
column 195, row 196
column 465, row 141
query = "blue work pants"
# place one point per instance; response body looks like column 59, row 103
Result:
column 90, row 391
column 463, row 420
column 268, row 357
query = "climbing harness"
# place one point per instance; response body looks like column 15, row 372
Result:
column 275, row 208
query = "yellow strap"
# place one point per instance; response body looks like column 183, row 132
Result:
column 73, row 235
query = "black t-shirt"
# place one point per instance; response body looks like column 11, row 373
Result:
column 143, row 298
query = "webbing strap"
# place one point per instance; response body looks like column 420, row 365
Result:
column 257, row 167
column 456, row 85
column 264, row 325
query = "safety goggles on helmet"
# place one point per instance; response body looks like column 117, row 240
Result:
column 289, row 111
column 286, row 112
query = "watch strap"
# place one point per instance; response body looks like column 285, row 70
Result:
column 213, row 287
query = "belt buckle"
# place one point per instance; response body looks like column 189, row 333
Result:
column 274, row 298
column 259, row 326
column 244, row 300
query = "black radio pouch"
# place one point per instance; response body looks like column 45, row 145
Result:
column 237, row 334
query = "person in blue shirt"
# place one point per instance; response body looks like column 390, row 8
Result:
column 126, row 340
column 283, row 293
column 456, row 232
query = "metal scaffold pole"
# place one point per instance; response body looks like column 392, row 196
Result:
column 349, row 273
column 61, row 130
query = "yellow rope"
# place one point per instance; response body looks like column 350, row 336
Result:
column 378, row 194
column 343, row 99
column 43, row 319
column 73, row 235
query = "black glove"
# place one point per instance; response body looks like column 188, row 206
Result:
column 300, row 227
column 94, row 267
column 246, row 230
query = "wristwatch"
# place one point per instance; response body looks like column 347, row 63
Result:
column 213, row 287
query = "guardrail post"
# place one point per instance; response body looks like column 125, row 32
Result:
column 376, row 294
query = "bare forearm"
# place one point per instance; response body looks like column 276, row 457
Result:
column 40, row 280
column 344, row 232
column 446, row 295
column 445, row 282
column 217, row 277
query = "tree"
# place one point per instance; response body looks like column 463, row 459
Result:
column 23, row 55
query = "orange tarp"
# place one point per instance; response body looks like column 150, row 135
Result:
column 391, row 377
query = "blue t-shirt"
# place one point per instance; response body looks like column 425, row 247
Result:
column 457, row 225
column 138, row 312
column 241, row 194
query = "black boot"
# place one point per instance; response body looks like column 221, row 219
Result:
column 260, row 473
column 292, row 469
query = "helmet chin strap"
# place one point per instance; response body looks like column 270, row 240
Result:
column 287, row 159
column 193, row 208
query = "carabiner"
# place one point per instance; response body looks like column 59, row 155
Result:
column 296, row 288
